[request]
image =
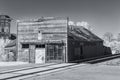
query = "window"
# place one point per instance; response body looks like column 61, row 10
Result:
column 6, row 29
column 25, row 45
column 2, row 30
column 2, row 24
column 40, row 46
column 39, row 32
column 55, row 52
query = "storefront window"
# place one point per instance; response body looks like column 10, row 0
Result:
column 25, row 45
column 55, row 52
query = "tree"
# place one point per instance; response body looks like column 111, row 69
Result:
column 108, row 36
column 118, row 37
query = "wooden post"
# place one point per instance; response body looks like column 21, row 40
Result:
column 17, row 53
column 32, row 54
column 66, row 60
column 45, row 53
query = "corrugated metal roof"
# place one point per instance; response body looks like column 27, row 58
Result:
column 82, row 34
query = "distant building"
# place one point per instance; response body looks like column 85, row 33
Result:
column 53, row 40
column 5, row 22
column 7, row 40
column 11, row 51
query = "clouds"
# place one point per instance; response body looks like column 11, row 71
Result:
column 71, row 23
column 82, row 23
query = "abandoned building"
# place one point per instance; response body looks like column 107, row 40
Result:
column 5, row 22
column 6, row 38
column 52, row 40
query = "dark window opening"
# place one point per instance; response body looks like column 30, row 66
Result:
column 39, row 32
column 7, row 29
column 40, row 46
column 25, row 45
column 2, row 29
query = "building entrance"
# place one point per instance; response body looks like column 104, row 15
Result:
column 40, row 54
column 55, row 53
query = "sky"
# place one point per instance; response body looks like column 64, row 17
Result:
column 102, row 15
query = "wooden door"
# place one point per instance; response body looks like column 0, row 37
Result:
column 40, row 55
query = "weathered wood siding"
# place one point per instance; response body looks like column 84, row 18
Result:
column 51, row 30
column 85, row 51
column 47, row 31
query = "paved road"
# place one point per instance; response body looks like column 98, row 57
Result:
column 42, row 69
column 109, row 70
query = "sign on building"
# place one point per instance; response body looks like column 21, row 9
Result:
column 40, row 35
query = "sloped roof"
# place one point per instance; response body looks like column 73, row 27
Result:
column 11, row 46
column 12, row 43
column 82, row 34
column 5, row 17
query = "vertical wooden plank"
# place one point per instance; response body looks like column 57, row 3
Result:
column 46, row 53
column 17, row 42
column 66, row 60
column 32, row 54
column 64, row 53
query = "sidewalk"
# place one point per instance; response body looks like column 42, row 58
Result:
column 6, row 66
column 2, row 64
column 12, row 65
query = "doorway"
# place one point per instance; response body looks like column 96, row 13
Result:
column 40, row 54
column 55, row 53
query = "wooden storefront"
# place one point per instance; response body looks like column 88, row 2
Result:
column 42, row 41
column 45, row 53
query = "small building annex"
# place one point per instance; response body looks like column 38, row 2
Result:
column 52, row 40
